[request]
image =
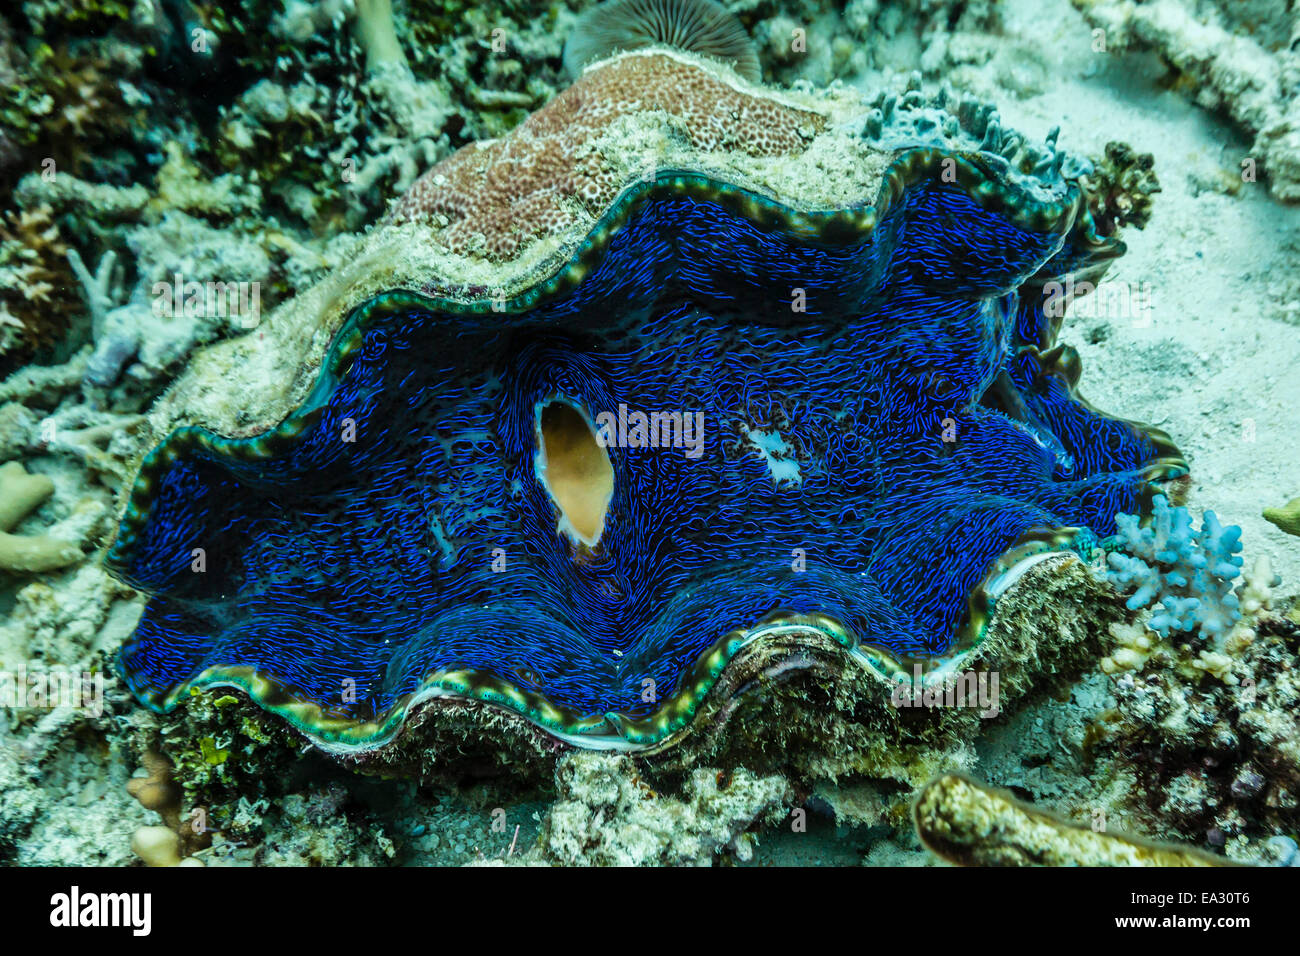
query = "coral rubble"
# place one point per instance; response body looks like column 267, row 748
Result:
column 1246, row 68
column 606, row 815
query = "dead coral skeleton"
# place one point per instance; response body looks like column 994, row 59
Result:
column 102, row 441
column 969, row 824
column 115, row 330
column 1252, row 77
column 20, row 495
column 607, row 814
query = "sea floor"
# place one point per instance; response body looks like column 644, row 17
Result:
column 1214, row 361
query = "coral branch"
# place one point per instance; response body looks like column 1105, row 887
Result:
column 20, row 495
column 973, row 825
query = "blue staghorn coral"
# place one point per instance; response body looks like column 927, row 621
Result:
column 1184, row 574
column 855, row 420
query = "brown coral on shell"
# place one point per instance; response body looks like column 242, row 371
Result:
column 550, row 172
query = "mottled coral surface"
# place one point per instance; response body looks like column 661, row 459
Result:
column 493, row 197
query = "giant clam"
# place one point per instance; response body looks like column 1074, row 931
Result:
column 683, row 385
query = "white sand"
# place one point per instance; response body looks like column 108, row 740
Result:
column 1218, row 367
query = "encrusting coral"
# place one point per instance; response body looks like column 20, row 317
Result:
column 1210, row 738
column 556, row 170
column 606, row 815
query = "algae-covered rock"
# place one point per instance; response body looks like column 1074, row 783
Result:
column 972, row 825
column 607, row 815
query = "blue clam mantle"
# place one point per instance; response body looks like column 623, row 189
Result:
column 887, row 426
